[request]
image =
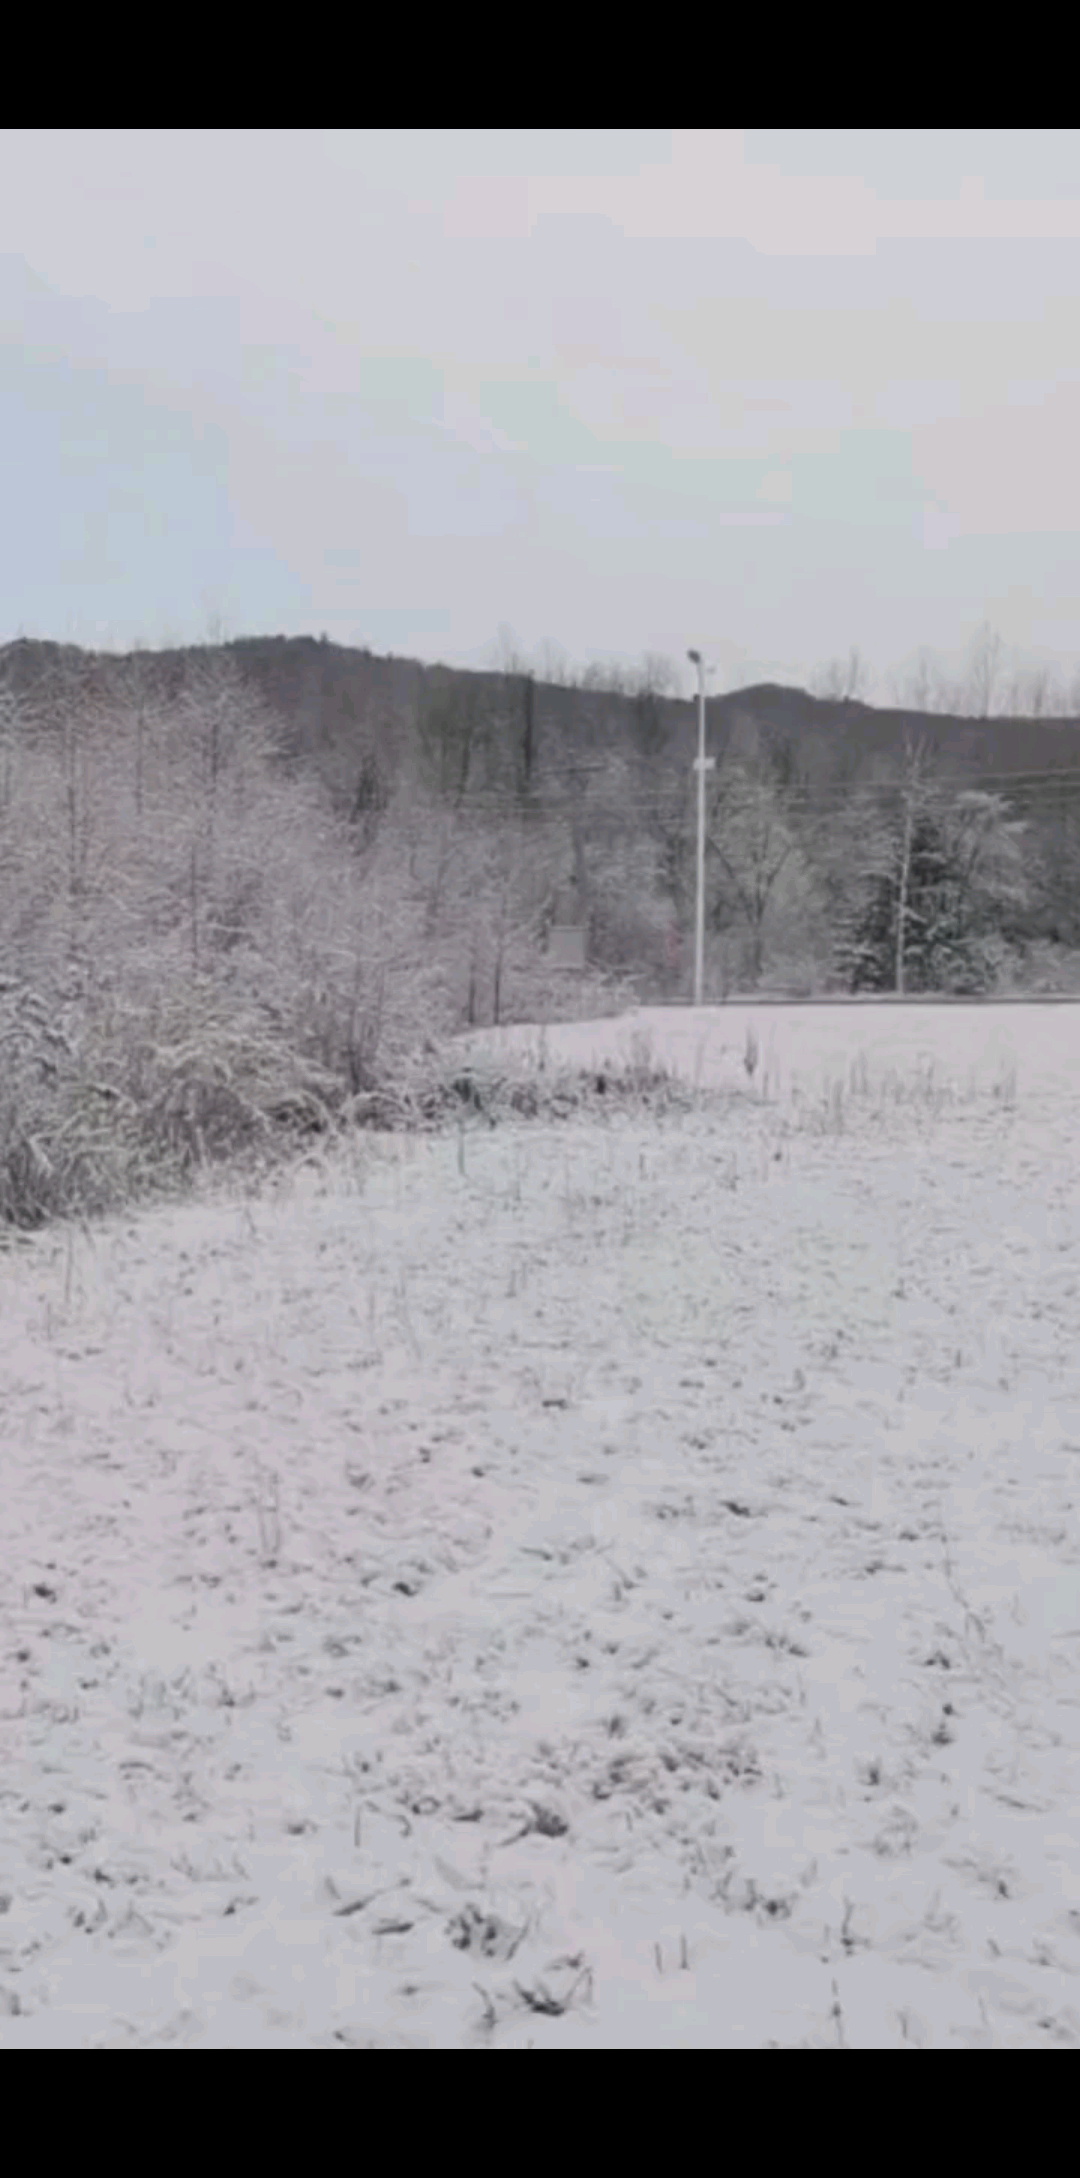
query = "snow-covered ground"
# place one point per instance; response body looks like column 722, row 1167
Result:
column 812, row 1046
column 602, row 1585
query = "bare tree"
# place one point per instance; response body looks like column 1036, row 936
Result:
column 985, row 671
column 652, row 684
column 658, row 674
column 512, row 883
column 605, row 679
column 755, row 843
column 1035, row 694
column 455, row 732
column 510, row 658
column 842, row 680
column 986, row 843
column 554, row 667
column 919, row 690
column 519, row 708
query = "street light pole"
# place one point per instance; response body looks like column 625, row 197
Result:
column 701, row 766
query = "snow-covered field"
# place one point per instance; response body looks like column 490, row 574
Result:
column 602, row 1585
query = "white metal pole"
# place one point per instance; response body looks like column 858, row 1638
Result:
column 701, row 767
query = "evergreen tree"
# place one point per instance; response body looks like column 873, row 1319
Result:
column 946, row 923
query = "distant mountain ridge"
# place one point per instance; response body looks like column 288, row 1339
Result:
column 339, row 705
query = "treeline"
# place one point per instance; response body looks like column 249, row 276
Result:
column 848, row 846
column 247, row 891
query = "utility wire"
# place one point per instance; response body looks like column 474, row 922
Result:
column 829, row 799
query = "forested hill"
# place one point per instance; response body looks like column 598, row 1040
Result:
column 341, row 710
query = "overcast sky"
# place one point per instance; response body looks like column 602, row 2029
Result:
column 772, row 393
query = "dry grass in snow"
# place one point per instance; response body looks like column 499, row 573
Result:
column 606, row 1584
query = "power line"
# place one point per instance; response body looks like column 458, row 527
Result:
column 828, row 798
column 595, row 767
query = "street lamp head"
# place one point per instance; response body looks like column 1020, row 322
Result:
column 694, row 657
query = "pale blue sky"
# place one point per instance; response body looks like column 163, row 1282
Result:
column 772, row 393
